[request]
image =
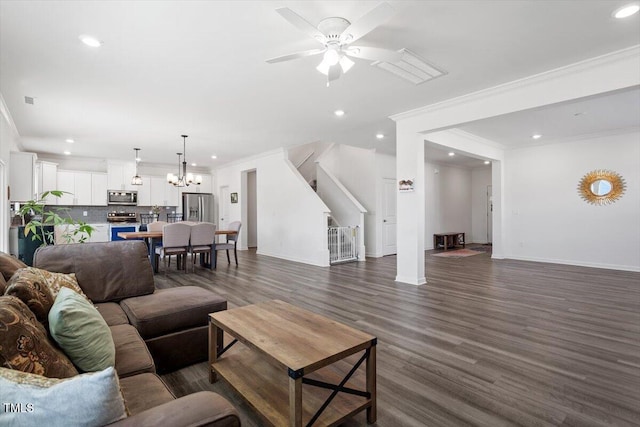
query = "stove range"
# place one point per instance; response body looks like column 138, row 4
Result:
column 122, row 217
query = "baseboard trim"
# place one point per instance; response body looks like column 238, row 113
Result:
column 576, row 263
column 411, row 281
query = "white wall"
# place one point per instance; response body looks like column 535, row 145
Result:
column 480, row 179
column 548, row 221
column 447, row 200
column 9, row 141
column 291, row 218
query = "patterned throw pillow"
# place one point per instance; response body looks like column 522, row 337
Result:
column 9, row 264
column 38, row 289
column 3, row 285
column 93, row 399
column 24, row 345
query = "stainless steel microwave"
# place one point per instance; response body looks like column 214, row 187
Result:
column 120, row 197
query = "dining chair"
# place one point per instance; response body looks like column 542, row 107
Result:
column 174, row 217
column 175, row 241
column 202, row 236
column 145, row 219
column 232, row 242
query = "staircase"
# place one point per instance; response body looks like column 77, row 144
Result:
column 345, row 243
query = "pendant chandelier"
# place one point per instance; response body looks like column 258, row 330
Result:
column 137, row 179
column 183, row 179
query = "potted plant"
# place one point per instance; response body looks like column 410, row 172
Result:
column 37, row 218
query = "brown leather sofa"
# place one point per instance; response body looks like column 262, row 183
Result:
column 149, row 327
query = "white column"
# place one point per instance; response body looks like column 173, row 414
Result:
column 497, row 189
column 410, row 207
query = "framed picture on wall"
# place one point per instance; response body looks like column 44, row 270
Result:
column 234, row 197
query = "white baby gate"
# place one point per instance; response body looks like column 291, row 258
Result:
column 343, row 244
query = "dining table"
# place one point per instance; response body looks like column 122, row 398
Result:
column 154, row 237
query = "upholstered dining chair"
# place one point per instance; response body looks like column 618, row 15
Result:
column 232, row 242
column 175, row 241
column 174, row 217
column 156, row 225
column 202, row 236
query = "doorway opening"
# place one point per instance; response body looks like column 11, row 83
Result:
column 252, row 209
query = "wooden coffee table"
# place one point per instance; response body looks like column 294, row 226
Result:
column 284, row 347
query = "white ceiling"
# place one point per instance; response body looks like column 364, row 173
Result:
column 198, row 67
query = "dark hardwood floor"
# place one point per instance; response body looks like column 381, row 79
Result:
column 484, row 342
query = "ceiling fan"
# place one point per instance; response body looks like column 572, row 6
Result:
column 336, row 35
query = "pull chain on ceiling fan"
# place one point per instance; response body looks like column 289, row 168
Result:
column 337, row 34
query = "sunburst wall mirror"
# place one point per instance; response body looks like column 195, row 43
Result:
column 601, row 187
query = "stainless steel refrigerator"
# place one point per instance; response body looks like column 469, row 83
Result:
column 198, row 207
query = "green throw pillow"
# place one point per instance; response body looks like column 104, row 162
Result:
column 92, row 399
column 81, row 332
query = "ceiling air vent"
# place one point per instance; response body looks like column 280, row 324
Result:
column 28, row 100
column 410, row 67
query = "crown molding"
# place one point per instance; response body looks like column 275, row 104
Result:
column 469, row 136
column 578, row 67
column 4, row 110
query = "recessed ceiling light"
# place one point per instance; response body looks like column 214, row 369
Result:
column 536, row 136
column 486, row 162
column 379, row 135
column 451, row 153
column 626, row 10
column 67, row 152
column 339, row 113
column 70, row 141
column 193, row 164
column 214, row 157
column 90, row 41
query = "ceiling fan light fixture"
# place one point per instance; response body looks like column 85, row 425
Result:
column 331, row 56
column 323, row 68
column 346, row 63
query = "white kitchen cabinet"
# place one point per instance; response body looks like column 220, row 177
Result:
column 144, row 192
column 156, row 190
column 206, row 186
column 47, row 174
column 98, row 189
column 62, row 234
column 100, row 233
column 82, row 192
column 119, row 175
column 66, row 184
column 163, row 193
column 171, row 194
column 82, row 188
column 22, row 176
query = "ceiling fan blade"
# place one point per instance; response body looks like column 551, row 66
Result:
column 302, row 24
column 296, row 55
column 373, row 53
column 375, row 17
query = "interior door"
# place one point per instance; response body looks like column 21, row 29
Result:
column 489, row 214
column 224, row 208
column 389, row 217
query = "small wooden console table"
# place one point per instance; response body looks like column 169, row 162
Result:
column 448, row 240
column 284, row 347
